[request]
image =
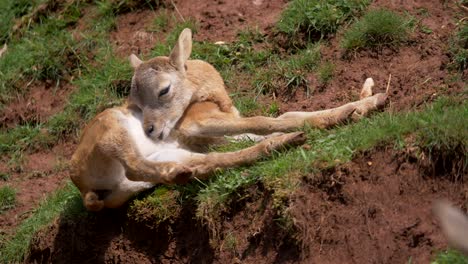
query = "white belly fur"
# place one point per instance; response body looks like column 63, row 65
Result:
column 167, row 150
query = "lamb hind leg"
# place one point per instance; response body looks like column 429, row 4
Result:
column 220, row 124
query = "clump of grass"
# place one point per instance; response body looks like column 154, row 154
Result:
column 289, row 73
column 39, row 55
column 450, row 257
column 317, row 17
column 377, row 28
column 459, row 48
column 325, row 72
column 7, row 198
column 160, row 206
column 65, row 202
column 12, row 9
column 162, row 21
column 24, row 137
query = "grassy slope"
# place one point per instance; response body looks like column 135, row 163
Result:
column 101, row 80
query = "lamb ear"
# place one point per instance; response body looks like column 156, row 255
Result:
column 134, row 61
column 182, row 50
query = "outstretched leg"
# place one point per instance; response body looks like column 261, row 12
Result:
column 204, row 119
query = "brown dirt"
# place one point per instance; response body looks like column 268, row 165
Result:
column 419, row 69
column 36, row 177
column 375, row 209
column 42, row 100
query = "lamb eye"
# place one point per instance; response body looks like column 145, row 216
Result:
column 164, row 91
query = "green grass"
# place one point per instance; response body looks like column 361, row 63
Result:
column 450, row 257
column 46, row 53
column 376, row 28
column 289, row 72
column 317, row 18
column 102, row 86
column 65, row 202
column 7, row 198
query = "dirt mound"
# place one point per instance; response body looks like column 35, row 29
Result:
column 42, row 100
column 373, row 209
column 419, row 68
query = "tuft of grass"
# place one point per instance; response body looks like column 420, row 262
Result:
column 290, row 72
column 450, row 257
column 7, row 198
column 325, row 72
column 317, row 18
column 459, row 48
column 97, row 91
column 65, row 202
column 11, row 10
column 160, row 206
column 377, row 28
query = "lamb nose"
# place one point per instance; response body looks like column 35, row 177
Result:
column 161, row 136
